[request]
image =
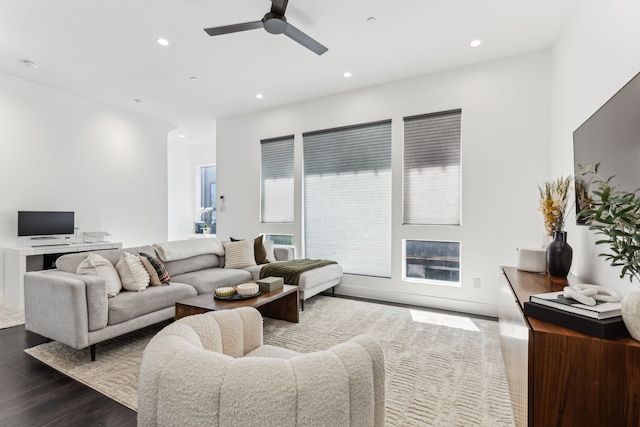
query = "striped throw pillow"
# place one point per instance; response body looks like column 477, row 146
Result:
column 154, row 280
column 239, row 254
column 259, row 250
column 163, row 275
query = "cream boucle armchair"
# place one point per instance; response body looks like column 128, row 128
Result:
column 213, row 370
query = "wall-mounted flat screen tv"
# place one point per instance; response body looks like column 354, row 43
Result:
column 610, row 137
column 45, row 223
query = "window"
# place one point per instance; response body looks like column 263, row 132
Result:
column 208, row 197
column 431, row 187
column 432, row 261
column 276, row 180
column 347, row 197
column 280, row 239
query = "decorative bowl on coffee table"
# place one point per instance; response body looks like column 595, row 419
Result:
column 248, row 289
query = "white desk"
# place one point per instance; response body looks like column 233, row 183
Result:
column 18, row 261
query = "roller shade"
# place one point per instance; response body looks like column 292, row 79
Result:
column 276, row 180
column 431, row 171
column 347, row 197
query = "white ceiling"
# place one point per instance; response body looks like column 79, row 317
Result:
column 106, row 50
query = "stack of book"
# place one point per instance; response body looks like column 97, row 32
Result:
column 603, row 320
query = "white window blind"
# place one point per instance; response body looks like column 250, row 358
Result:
column 276, row 180
column 347, row 197
column 431, row 191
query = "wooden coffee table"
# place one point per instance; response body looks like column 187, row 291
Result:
column 280, row 304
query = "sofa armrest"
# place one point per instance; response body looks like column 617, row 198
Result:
column 284, row 252
column 376, row 353
column 64, row 306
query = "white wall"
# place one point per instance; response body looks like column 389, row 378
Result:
column 184, row 183
column 62, row 152
column 505, row 153
column 180, row 193
column 595, row 55
column 189, row 149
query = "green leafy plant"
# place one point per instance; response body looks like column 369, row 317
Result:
column 615, row 214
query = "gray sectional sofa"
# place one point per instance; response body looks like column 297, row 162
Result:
column 74, row 309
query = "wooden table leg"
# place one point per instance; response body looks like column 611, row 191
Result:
column 187, row 310
column 285, row 308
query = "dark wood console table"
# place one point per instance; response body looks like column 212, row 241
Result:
column 558, row 376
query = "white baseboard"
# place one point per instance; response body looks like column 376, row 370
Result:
column 467, row 307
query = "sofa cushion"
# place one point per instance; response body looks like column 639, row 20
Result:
column 239, row 254
column 154, row 280
column 158, row 266
column 317, row 276
column 129, row 305
column 259, row 250
column 96, row 265
column 133, row 275
column 254, row 270
column 207, row 280
column 269, row 250
column 180, row 249
column 195, row 263
column 70, row 262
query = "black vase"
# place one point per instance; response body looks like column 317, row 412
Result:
column 559, row 255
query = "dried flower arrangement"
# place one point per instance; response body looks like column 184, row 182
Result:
column 554, row 196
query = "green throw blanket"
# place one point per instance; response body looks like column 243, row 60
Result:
column 290, row 271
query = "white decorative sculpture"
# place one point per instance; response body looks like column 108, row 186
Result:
column 589, row 294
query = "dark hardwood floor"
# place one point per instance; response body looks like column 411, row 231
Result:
column 34, row 394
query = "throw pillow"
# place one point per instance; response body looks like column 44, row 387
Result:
column 163, row 275
column 154, row 280
column 259, row 251
column 133, row 275
column 96, row 265
column 239, row 254
column 268, row 248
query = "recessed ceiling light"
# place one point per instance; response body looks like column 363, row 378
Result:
column 163, row 42
column 259, row 95
column 371, row 20
column 475, row 43
column 180, row 136
column 29, row 64
column 193, row 78
column 137, row 101
column 347, row 74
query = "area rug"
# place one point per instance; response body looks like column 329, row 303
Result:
column 10, row 317
column 442, row 370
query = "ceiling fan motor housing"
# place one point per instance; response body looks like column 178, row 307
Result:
column 274, row 23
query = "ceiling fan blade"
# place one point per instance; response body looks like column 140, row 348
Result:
column 279, row 6
column 234, row 28
column 295, row 34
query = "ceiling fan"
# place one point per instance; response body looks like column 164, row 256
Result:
column 275, row 23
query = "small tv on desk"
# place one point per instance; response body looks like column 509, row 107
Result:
column 42, row 225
